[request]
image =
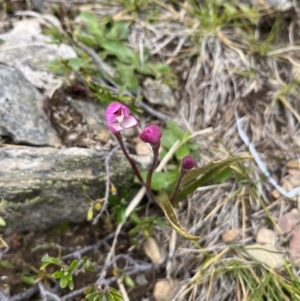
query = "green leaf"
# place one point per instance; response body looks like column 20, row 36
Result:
column 191, row 180
column 28, row 279
column 2, row 222
column 115, row 294
column 71, row 285
column 182, row 152
column 57, row 274
column 166, row 207
column 122, row 52
column 56, row 67
column 129, row 281
column 78, row 62
column 54, row 33
column 119, row 31
column 73, row 265
column 174, row 127
column 52, row 260
column 92, row 296
column 126, row 77
column 159, row 69
column 94, row 26
column 162, row 180
column 223, row 175
column 63, row 281
column 168, row 139
column 6, row 264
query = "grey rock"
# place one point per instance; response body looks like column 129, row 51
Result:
column 36, row 51
column 282, row 5
column 93, row 114
column 156, row 92
column 43, row 187
column 22, row 117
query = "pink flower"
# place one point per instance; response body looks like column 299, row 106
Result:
column 151, row 134
column 118, row 117
column 187, row 163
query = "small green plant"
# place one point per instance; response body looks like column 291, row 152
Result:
column 64, row 274
column 109, row 294
column 116, row 62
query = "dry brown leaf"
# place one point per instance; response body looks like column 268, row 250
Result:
column 153, row 251
column 289, row 221
column 266, row 254
column 265, row 236
column 230, row 235
column 164, row 289
column 295, row 245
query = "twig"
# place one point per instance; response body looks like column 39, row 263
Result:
column 261, row 164
column 94, row 247
column 153, row 112
column 26, row 295
column 105, row 201
column 109, row 281
column 45, row 294
column 3, row 297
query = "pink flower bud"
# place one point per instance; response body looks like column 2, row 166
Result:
column 118, row 117
column 187, row 163
column 151, row 134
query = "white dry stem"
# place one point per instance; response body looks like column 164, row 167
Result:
column 289, row 194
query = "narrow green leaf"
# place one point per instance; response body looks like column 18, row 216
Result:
column 129, row 281
column 49, row 259
column 199, row 176
column 27, row 279
column 92, row 296
column 223, row 175
column 166, row 207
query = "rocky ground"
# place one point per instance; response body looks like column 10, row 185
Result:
column 234, row 80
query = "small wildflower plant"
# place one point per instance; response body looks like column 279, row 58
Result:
column 118, row 118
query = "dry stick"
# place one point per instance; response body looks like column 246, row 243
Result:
column 260, row 163
column 105, row 201
column 26, row 295
column 136, row 270
column 45, row 294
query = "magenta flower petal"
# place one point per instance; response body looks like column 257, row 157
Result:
column 114, row 127
column 151, row 134
column 187, row 163
column 129, row 122
column 118, row 117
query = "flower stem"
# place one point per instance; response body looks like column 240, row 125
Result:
column 173, row 197
column 153, row 166
column 132, row 163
